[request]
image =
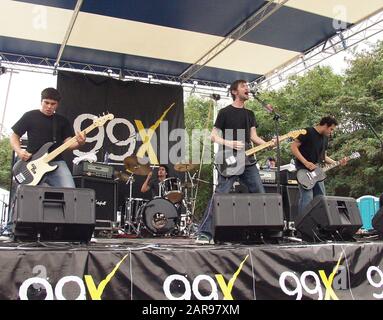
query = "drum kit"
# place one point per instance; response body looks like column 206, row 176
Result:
column 170, row 213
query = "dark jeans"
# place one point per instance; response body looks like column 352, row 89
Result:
column 306, row 196
column 250, row 177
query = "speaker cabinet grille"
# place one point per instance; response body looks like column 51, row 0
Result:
column 64, row 214
column 290, row 198
column 106, row 196
column 247, row 217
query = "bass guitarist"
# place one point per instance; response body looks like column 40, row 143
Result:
column 234, row 127
column 310, row 151
column 43, row 126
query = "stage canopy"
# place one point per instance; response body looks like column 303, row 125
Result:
column 211, row 41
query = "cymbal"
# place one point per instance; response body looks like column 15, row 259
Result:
column 133, row 165
column 121, row 176
column 184, row 167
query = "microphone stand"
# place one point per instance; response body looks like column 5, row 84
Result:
column 276, row 117
column 375, row 133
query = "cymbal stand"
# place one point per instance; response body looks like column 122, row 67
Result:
column 188, row 202
column 129, row 208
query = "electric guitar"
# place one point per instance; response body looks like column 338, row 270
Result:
column 233, row 162
column 32, row 171
column 307, row 179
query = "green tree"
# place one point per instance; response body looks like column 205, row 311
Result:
column 197, row 117
column 362, row 93
column 5, row 163
column 301, row 103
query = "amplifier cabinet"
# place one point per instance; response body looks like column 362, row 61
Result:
column 106, row 196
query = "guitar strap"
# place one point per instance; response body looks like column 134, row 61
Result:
column 247, row 125
column 323, row 151
column 248, row 132
column 54, row 128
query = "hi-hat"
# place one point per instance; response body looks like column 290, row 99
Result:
column 184, row 167
column 133, row 165
column 121, row 176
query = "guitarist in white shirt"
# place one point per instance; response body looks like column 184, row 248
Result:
column 309, row 151
column 234, row 127
column 43, row 126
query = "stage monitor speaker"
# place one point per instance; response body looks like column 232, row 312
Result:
column 377, row 221
column 247, row 217
column 106, row 196
column 329, row 218
column 53, row 214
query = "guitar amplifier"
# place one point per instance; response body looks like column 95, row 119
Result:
column 288, row 177
column 268, row 176
column 95, row 169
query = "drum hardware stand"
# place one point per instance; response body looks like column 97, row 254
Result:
column 186, row 219
column 128, row 209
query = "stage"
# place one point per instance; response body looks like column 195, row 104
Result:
column 175, row 268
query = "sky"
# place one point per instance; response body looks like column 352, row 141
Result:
column 25, row 89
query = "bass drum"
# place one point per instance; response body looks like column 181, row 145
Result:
column 159, row 216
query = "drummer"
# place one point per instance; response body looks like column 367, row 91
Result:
column 153, row 184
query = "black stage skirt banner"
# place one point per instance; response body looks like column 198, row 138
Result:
column 146, row 116
column 155, row 272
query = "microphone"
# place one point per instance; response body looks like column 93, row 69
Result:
column 267, row 106
column 254, row 92
column 215, row 96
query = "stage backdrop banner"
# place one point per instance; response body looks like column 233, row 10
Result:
column 142, row 112
column 343, row 271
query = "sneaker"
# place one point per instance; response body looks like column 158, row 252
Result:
column 204, row 239
column 5, row 238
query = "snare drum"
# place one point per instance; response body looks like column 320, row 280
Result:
column 171, row 189
column 133, row 207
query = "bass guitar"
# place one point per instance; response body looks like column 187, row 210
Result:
column 307, row 179
column 32, row 171
column 233, row 162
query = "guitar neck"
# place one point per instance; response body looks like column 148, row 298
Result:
column 333, row 165
column 50, row 156
column 264, row 145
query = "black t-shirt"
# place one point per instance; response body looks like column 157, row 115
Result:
column 154, row 185
column 313, row 147
column 39, row 128
column 235, row 119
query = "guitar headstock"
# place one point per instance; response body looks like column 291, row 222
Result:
column 354, row 155
column 100, row 121
column 296, row 133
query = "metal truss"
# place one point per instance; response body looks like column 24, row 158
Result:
column 47, row 65
column 245, row 27
column 68, row 31
column 341, row 41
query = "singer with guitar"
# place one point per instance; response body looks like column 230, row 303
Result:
column 234, row 129
column 310, row 151
column 42, row 126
